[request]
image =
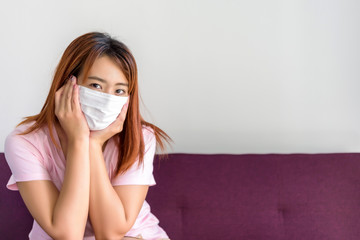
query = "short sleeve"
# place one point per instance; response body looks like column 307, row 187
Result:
column 24, row 160
column 140, row 174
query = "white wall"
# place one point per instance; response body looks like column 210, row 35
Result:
column 219, row 76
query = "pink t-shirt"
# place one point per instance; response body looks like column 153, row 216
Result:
column 34, row 157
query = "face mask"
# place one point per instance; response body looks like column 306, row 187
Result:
column 100, row 109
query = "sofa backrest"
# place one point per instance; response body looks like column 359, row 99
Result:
column 258, row 197
column 252, row 197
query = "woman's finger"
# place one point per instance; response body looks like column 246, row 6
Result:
column 75, row 98
column 123, row 112
column 58, row 95
column 65, row 95
column 69, row 94
column 119, row 121
column 63, row 92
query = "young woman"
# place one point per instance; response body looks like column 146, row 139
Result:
column 84, row 164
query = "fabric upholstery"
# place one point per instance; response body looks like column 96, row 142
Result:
column 249, row 197
column 15, row 219
column 258, row 197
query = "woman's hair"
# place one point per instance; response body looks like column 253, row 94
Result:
column 78, row 57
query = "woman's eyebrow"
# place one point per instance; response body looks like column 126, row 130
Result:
column 104, row 81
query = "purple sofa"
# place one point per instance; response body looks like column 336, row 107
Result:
column 238, row 197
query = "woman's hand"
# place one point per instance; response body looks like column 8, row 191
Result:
column 101, row 136
column 68, row 111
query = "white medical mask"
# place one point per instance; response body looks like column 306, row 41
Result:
column 100, row 109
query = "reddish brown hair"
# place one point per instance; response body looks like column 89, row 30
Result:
column 78, row 57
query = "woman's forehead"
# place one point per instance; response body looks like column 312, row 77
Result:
column 105, row 69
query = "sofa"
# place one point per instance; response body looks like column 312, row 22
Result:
column 238, row 197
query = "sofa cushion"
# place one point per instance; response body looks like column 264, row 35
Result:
column 15, row 220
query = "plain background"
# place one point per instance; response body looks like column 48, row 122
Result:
column 258, row 76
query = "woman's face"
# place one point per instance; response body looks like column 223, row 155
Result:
column 106, row 76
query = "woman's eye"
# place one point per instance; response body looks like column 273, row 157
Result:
column 120, row 92
column 95, row 85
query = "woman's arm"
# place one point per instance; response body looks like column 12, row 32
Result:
column 113, row 210
column 63, row 214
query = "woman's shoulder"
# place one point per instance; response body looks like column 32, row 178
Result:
column 148, row 134
column 17, row 136
column 22, row 128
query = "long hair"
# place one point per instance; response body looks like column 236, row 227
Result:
column 78, row 57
